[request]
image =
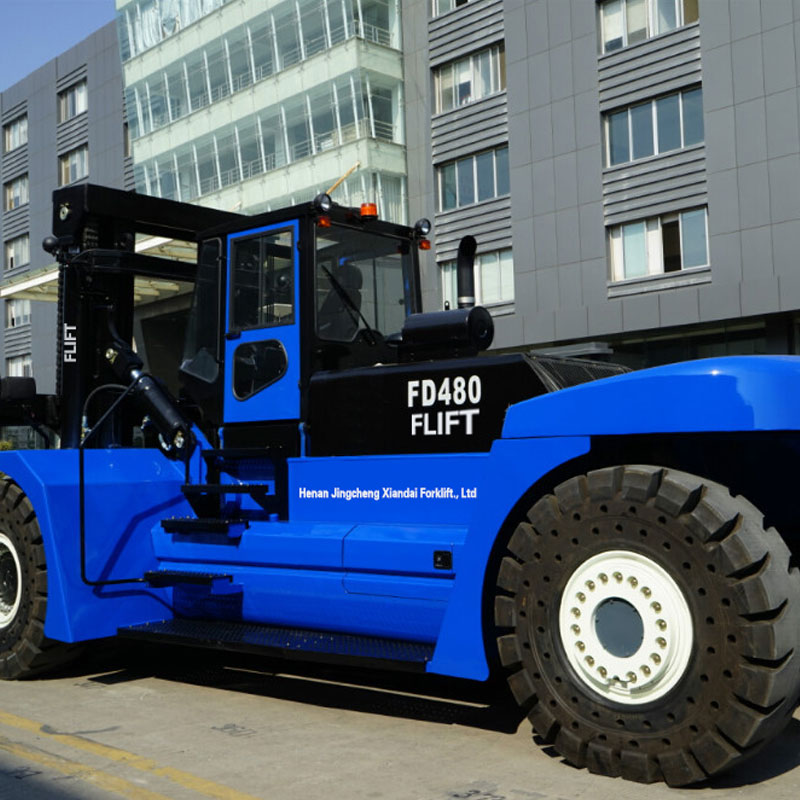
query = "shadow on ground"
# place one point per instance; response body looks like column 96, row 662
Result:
column 429, row 698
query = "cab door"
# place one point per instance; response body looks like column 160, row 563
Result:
column 262, row 340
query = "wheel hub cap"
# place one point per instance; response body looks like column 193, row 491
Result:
column 10, row 581
column 626, row 627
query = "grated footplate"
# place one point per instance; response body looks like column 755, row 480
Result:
column 285, row 642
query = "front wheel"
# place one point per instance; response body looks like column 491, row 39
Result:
column 24, row 649
column 649, row 623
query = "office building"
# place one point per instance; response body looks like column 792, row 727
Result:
column 62, row 124
column 630, row 169
column 247, row 106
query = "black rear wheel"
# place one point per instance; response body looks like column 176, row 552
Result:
column 24, row 649
column 650, row 624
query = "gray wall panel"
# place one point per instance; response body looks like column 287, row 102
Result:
column 658, row 185
column 468, row 28
column 656, row 66
column 475, row 126
column 489, row 223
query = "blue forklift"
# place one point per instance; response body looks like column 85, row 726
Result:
column 309, row 466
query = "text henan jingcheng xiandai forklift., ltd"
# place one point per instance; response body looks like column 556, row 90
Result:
column 321, row 470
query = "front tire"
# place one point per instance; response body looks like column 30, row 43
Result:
column 649, row 623
column 24, row 649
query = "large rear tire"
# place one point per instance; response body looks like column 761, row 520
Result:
column 650, row 624
column 24, row 649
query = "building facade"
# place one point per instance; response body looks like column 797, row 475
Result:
column 246, row 106
column 651, row 209
column 62, row 124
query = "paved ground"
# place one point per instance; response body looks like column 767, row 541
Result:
column 149, row 724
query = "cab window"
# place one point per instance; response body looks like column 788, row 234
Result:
column 262, row 281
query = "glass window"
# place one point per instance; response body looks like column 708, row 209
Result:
column 658, row 245
column 17, row 252
column 72, row 101
column 443, row 6
column 626, row 22
column 470, row 79
column 612, row 25
column 18, row 312
column 447, row 181
column 634, row 249
column 501, row 170
column 618, row 143
column 466, row 181
column 444, row 78
column 474, row 178
column 16, row 192
column 494, row 279
column 668, row 115
column 73, row 166
column 19, row 367
column 679, row 123
column 360, row 283
column 262, row 281
column 666, row 15
column 636, row 23
column 485, row 166
column 692, row 117
column 15, row 134
column 694, row 240
column 642, row 130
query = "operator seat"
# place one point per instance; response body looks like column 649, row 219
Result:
column 336, row 319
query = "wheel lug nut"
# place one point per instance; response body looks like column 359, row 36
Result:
column 631, row 677
column 589, row 660
column 582, row 597
column 590, row 585
column 661, row 642
column 580, row 645
column 603, row 671
column 645, row 670
column 662, row 626
column 646, row 591
column 576, row 629
column 656, row 607
column 576, row 612
column 618, row 577
column 655, row 658
column 633, row 582
column 603, row 577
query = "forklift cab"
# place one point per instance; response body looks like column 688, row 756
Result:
column 305, row 289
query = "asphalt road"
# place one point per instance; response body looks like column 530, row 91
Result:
column 152, row 723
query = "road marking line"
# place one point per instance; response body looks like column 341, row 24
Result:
column 185, row 779
column 81, row 771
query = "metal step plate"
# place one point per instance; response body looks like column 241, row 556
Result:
column 286, row 642
column 160, row 578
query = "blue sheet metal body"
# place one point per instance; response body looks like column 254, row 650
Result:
column 355, row 552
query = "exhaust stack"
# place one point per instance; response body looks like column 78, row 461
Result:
column 465, row 276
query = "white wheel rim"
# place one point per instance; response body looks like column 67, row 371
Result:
column 10, row 581
column 661, row 659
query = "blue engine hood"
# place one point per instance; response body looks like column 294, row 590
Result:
column 738, row 393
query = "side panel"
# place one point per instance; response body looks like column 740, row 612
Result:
column 513, row 467
column 128, row 492
column 742, row 393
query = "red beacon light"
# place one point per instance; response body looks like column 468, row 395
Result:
column 369, row 211
column 424, row 244
column 323, row 222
